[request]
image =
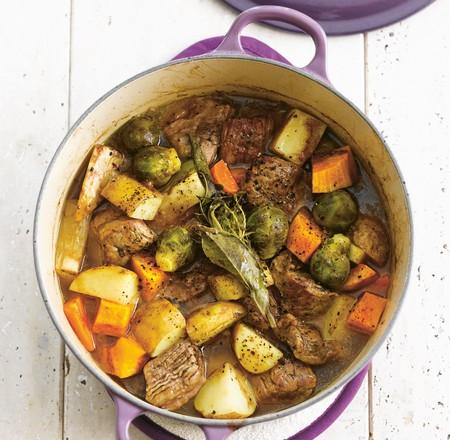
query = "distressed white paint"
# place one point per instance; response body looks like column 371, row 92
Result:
column 409, row 100
column 112, row 41
column 33, row 106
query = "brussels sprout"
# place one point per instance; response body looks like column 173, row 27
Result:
column 269, row 227
column 330, row 264
column 336, row 211
column 157, row 164
column 175, row 249
column 140, row 132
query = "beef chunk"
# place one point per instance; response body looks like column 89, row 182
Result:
column 200, row 116
column 175, row 376
column 287, row 381
column 120, row 236
column 254, row 318
column 185, row 286
column 300, row 294
column 271, row 180
column 305, row 341
column 243, row 139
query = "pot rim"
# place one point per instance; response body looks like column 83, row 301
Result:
column 118, row 389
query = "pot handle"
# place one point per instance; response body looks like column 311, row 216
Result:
column 126, row 412
column 231, row 44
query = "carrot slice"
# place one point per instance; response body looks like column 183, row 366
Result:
column 304, row 236
column 360, row 276
column 112, row 318
column 126, row 357
column 367, row 312
column 334, row 171
column 221, row 175
column 151, row 278
column 75, row 312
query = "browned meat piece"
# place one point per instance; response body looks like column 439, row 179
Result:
column 254, row 317
column 175, row 376
column 272, row 180
column 120, row 237
column 200, row 116
column 305, row 341
column 243, row 139
column 284, row 383
column 185, row 286
column 300, row 294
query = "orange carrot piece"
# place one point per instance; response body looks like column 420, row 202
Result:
column 367, row 312
column 103, row 356
column 127, row 357
column 221, row 175
column 112, row 318
column 360, row 276
column 334, row 171
column 380, row 286
column 151, row 278
column 304, row 236
column 75, row 312
column 239, row 174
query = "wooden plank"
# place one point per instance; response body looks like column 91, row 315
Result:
column 409, row 100
column 33, row 105
column 111, row 42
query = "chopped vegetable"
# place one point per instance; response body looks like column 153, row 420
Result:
column 182, row 196
column 75, row 312
column 359, row 277
column 137, row 200
column 113, row 283
column 304, row 236
column 156, row 164
column 298, row 138
column 126, row 357
column 380, row 286
column 151, row 278
column 112, row 318
column 334, row 171
column 239, row 174
column 335, row 211
column 371, row 236
column 268, row 228
column 140, row 132
column 334, row 326
column 226, row 394
column 175, row 249
column 212, row 319
column 157, row 325
column 330, row 264
column 367, row 312
column 227, row 287
column 222, row 176
column 103, row 165
column 356, row 254
column 254, row 352
column 73, row 235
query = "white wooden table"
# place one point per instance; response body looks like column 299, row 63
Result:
column 57, row 57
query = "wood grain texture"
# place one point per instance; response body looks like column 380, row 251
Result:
column 33, row 105
column 111, row 42
column 409, row 100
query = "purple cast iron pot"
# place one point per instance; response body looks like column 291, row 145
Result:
column 228, row 69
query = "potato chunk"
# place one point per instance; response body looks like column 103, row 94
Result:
column 227, row 287
column 113, row 283
column 157, row 325
column 130, row 196
column 226, row 394
column 254, row 352
column 212, row 319
column 299, row 137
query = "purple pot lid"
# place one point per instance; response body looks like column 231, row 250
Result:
column 341, row 17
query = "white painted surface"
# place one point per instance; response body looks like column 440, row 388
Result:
column 406, row 85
